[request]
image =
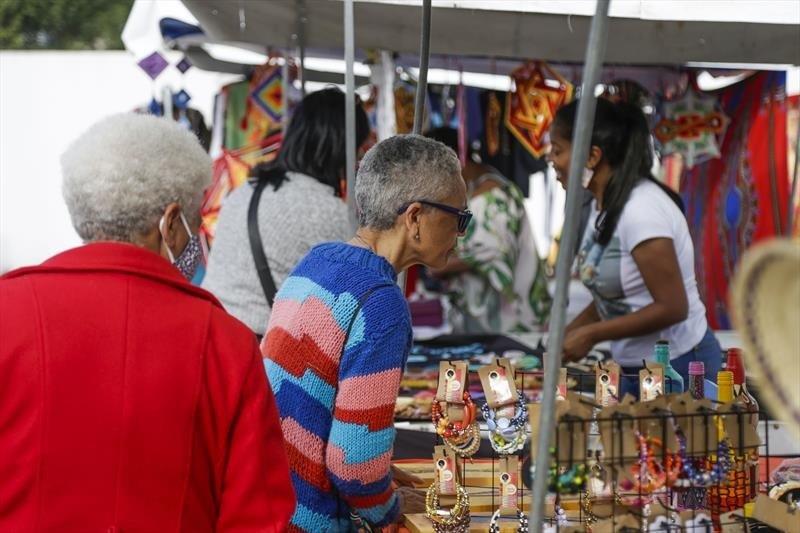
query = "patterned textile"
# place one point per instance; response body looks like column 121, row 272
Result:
column 531, row 107
column 336, row 392
column 743, row 197
column 690, row 126
column 506, row 289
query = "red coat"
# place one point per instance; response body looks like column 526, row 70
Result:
column 130, row 401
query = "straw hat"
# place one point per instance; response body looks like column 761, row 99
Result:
column 765, row 298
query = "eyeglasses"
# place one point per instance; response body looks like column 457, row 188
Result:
column 463, row 216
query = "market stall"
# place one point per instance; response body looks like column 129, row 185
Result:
column 635, row 473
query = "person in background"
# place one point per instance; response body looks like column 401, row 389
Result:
column 340, row 333
column 302, row 205
column 131, row 400
column 636, row 255
column 495, row 281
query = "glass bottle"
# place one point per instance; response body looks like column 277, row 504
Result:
column 673, row 382
column 697, row 379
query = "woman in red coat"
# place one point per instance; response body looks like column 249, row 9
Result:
column 130, row 401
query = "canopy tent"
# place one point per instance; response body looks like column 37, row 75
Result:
column 640, row 31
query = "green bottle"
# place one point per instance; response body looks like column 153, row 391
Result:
column 673, row 382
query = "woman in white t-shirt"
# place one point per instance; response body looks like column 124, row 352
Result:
column 636, row 255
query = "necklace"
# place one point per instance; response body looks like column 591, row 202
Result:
column 363, row 243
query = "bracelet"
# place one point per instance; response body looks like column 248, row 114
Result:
column 648, row 474
column 521, row 517
column 694, row 477
column 785, row 491
column 570, row 481
column 507, row 436
column 447, row 429
column 455, row 520
column 469, row 444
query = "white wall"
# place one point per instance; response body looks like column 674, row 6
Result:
column 46, row 100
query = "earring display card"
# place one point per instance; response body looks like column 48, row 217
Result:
column 738, row 429
column 446, row 468
column 617, row 426
column 508, row 480
column 651, row 382
column 573, row 418
column 607, row 384
column 453, row 379
column 561, row 392
column 498, row 384
column 777, row 514
column 702, row 436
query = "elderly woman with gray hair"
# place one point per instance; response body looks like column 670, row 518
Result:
column 340, row 333
column 131, row 400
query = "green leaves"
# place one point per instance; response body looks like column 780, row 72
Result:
column 63, row 24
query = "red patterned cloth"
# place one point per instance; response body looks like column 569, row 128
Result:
column 741, row 198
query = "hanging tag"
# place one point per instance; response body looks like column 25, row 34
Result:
column 606, row 390
column 702, row 437
column 446, row 469
column 509, row 483
column 498, row 384
column 617, row 426
column 453, row 377
column 534, row 414
column 561, row 391
column 651, row 382
column 777, row 514
column 573, row 418
column 738, row 429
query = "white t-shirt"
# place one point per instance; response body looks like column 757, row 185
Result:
column 611, row 274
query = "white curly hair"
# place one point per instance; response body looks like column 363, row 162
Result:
column 121, row 174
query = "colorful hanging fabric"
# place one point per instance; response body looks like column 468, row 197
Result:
column 268, row 93
column 230, row 170
column 404, row 107
column 494, row 114
column 531, row 106
column 153, row 65
column 690, row 126
column 742, row 197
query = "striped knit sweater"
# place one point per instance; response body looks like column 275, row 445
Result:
column 336, row 392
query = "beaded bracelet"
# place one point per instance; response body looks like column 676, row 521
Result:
column 454, row 520
column 648, row 474
column 693, row 477
column 507, row 435
column 570, row 481
column 450, row 430
column 468, row 444
column 494, row 527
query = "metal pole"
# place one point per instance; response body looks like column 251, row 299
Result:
column 793, row 193
column 350, row 110
column 424, row 54
column 595, row 50
column 301, row 43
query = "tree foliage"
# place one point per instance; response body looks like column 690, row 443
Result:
column 63, row 24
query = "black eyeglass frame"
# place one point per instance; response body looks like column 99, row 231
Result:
column 464, row 216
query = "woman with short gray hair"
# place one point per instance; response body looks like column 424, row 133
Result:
column 340, row 333
column 119, row 377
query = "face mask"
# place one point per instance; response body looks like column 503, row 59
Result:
column 588, row 173
column 189, row 259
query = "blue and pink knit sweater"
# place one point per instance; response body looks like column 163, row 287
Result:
column 336, row 393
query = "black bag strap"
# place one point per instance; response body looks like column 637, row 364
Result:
column 257, row 246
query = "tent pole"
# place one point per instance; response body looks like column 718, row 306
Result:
column 424, row 55
column 595, row 50
column 350, row 110
column 795, row 177
column 302, row 18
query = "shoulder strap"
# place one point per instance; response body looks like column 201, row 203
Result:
column 257, row 246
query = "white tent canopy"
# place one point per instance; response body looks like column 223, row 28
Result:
column 645, row 32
